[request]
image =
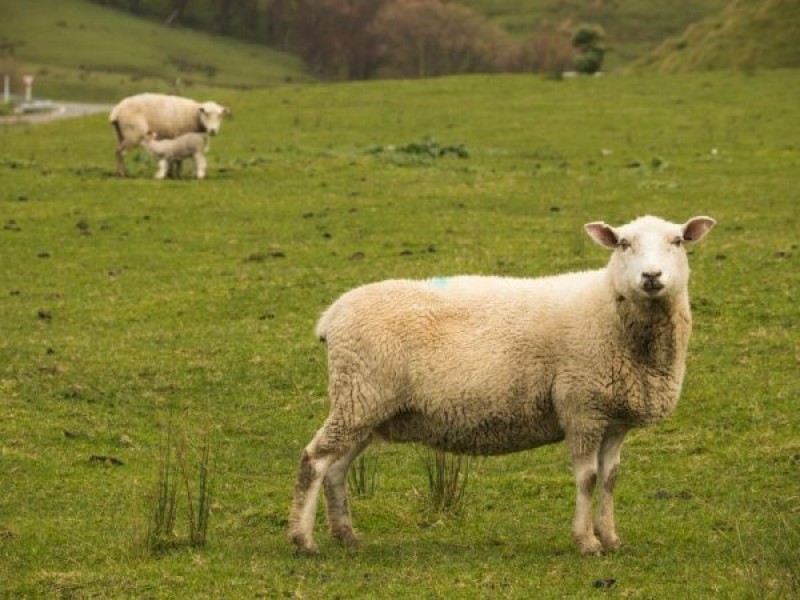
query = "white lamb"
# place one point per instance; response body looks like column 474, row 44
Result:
column 171, row 153
column 491, row 365
column 168, row 116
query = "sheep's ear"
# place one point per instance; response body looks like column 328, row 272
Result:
column 696, row 229
column 227, row 111
column 602, row 234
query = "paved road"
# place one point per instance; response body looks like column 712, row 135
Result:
column 63, row 110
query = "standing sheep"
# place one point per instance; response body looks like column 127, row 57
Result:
column 167, row 116
column 492, row 365
column 173, row 152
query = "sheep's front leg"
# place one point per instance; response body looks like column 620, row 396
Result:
column 608, row 464
column 200, row 165
column 584, row 466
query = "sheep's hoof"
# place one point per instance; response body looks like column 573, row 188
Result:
column 611, row 544
column 311, row 550
column 347, row 538
column 590, row 546
column 305, row 546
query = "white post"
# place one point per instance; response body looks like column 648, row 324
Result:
column 6, row 89
column 28, row 79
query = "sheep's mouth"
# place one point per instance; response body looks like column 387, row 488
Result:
column 652, row 287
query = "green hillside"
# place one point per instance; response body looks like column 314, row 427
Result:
column 746, row 35
column 85, row 51
column 634, row 27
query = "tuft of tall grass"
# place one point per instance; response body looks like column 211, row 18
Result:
column 174, row 481
column 448, row 475
column 363, row 476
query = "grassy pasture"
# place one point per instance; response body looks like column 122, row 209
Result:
column 127, row 301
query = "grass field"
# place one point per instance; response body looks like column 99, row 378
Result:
column 130, row 303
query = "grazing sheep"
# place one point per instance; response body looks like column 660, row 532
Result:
column 168, row 116
column 492, row 365
column 171, row 153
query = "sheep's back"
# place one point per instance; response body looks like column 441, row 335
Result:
column 168, row 116
column 473, row 337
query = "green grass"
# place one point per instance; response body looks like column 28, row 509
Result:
column 81, row 50
column 125, row 300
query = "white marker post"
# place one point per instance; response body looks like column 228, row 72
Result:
column 28, row 79
column 6, row 89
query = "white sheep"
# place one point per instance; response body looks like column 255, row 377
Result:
column 167, row 116
column 171, row 153
column 492, row 365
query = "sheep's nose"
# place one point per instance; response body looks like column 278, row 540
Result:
column 651, row 281
column 652, row 274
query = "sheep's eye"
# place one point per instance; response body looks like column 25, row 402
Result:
column 623, row 244
column 677, row 242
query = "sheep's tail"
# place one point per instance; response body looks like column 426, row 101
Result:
column 321, row 330
column 113, row 118
column 117, row 130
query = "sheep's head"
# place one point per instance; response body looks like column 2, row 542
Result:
column 649, row 260
column 210, row 116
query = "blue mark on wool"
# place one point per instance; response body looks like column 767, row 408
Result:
column 438, row 282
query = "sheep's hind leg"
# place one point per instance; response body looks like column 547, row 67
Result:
column 120, row 156
column 608, row 465
column 329, row 445
column 335, row 485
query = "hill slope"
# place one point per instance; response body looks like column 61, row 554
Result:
column 84, row 51
column 634, row 27
column 746, row 35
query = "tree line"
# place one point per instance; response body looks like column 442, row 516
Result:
column 366, row 39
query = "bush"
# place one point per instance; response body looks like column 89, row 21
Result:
column 588, row 40
column 547, row 51
column 589, row 62
column 357, row 39
column 426, row 38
